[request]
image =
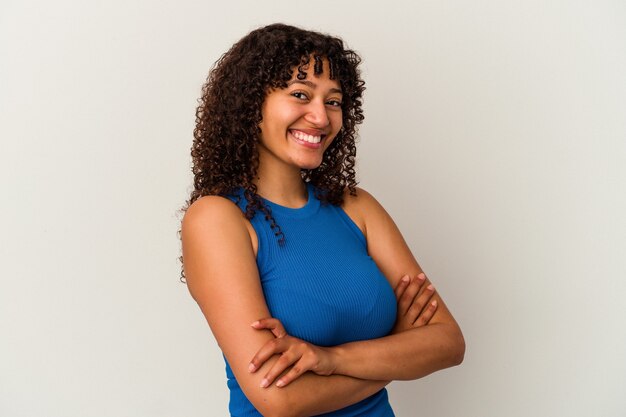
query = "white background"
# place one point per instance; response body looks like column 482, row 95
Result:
column 495, row 135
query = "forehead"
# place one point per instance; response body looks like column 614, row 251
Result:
column 315, row 72
column 324, row 84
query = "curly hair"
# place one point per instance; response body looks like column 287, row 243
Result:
column 224, row 151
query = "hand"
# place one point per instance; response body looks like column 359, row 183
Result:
column 415, row 307
column 300, row 355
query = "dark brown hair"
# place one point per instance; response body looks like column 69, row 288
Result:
column 224, row 152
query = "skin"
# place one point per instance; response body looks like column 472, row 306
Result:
column 310, row 106
column 404, row 355
column 219, row 250
column 415, row 308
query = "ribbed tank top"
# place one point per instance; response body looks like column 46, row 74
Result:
column 322, row 285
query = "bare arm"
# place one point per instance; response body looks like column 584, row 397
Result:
column 223, row 278
column 407, row 355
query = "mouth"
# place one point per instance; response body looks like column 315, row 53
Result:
column 308, row 139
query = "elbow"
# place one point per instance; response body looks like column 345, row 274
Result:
column 284, row 413
column 272, row 409
column 276, row 405
column 281, row 411
column 458, row 348
column 273, row 413
column 268, row 411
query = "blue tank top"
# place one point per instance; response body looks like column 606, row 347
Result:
column 322, row 285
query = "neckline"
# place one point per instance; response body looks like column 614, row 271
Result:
column 310, row 207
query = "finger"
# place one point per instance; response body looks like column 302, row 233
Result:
column 409, row 294
column 272, row 324
column 298, row 353
column 401, row 287
column 407, row 297
column 420, row 301
column 268, row 350
column 287, row 359
column 427, row 314
column 295, row 372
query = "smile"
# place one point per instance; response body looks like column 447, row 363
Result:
column 306, row 138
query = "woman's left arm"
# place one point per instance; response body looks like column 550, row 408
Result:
column 403, row 355
column 410, row 354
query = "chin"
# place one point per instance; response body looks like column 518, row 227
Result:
column 310, row 165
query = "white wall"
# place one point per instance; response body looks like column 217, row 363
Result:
column 495, row 135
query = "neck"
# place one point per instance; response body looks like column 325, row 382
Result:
column 283, row 187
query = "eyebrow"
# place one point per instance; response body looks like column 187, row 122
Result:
column 312, row 85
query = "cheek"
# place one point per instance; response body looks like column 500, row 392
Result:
column 281, row 121
column 270, row 127
column 337, row 120
column 329, row 143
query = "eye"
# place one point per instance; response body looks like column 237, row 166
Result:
column 334, row 103
column 300, row 95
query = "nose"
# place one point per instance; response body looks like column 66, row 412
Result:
column 317, row 114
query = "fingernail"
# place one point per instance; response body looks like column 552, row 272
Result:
column 421, row 277
column 406, row 278
column 251, row 367
column 264, row 383
column 430, row 287
column 256, row 323
column 434, row 303
column 280, row 383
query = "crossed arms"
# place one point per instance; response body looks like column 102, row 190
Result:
column 219, row 262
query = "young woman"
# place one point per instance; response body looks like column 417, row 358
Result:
column 308, row 286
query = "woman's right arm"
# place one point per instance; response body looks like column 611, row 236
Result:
column 223, row 278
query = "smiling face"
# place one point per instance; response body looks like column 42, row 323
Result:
column 300, row 121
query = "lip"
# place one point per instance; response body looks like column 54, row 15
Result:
column 305, row 143
column 312, row 132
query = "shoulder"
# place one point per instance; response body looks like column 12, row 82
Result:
column 361, row 199
column 362, row 208
column 209, row 210
column 211, row 220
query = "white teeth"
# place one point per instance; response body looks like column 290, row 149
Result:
column 307, row 138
